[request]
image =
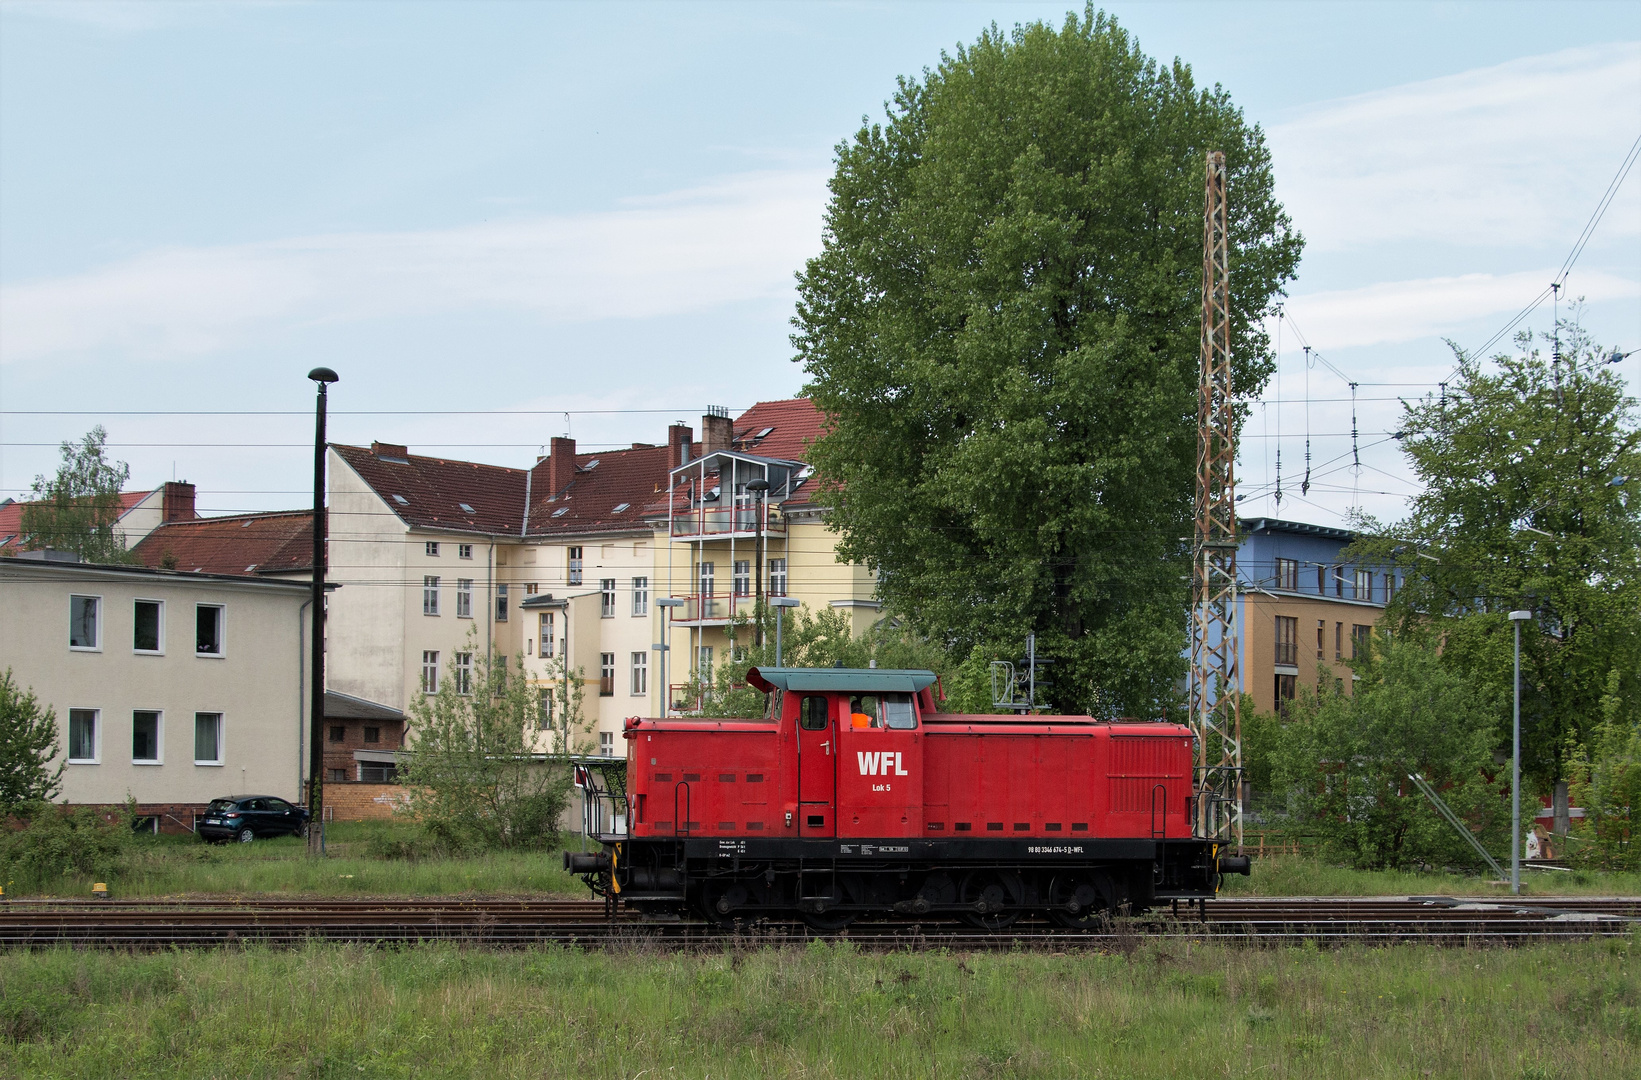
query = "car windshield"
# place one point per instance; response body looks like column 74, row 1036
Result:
column 220, row 806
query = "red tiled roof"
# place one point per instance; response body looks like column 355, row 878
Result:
column 11, row 517
column 434, row 491
column 270, row 543
column 796, row 423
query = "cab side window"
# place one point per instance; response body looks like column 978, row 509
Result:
column 812, row 714
column 898, row 712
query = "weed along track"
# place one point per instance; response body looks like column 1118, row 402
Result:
column 505, row 923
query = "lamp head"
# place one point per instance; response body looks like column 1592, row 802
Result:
column 324, row 375
column 1520, row 616
column 759, row 484
column 782, row 601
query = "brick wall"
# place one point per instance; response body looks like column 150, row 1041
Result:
column 362, row 802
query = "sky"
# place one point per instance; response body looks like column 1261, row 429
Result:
column 505, row 222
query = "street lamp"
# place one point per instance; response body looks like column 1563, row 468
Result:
column 664, row 648
column 322, row 377
column 780, row 603
column 760, row 488
column 1516, row 618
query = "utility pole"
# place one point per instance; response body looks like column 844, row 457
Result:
column 322, row 377
column 1216, row 715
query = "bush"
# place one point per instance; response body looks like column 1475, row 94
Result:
column 58, row 840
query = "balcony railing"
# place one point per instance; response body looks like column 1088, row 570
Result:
column 1287, row 652
column 726, row 521
column 720, row 607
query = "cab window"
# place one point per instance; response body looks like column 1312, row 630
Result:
column 864, row 712
column 898, row 712
column 812, row 713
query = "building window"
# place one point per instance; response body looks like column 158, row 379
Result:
column 531, row 588
column 1321, row 580
column 742, row 580
column 464, row 598
column 433, row 549
column 606, row 674
column 464, row 673
column 145, row 737
column 207, row 738
column 640, row 674
column 777, row 577
column 606, row 598
column 1287, row 640
column 1390, row 587
column 1339, row 581
column 703, row 662
column 501, row 603
column 1321, row 628
column 544, row 719
column 549, row 643
column 373, row 735
column 337, row 776
column 1360, row 639
column 82, row 736
column 379, row 772
column 148, row 626
column 85, row 622
column 430, row 671
column 1286, row 687
column 1364, row 584
column 606, row 743
column 464, row 551
column 430, row 595
column 208, row 629
column 707, row 574
column 1287, row 574
column 1338, row 641
column 338, row 732
column 572, row 575
column 640, row 596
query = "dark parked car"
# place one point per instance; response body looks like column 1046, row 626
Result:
column 246, row 817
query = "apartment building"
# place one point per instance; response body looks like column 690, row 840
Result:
column 172, row 688
column 1304, row 610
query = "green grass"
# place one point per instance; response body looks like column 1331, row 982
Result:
column 1301, row 875
column 186, row 866
column 1160, row 1010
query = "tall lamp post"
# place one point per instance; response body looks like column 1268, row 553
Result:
column 760, row 488
column 780, row 603
column 322, row 377
column 1516, row 618
column 664, row 647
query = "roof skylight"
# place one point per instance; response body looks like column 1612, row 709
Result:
column 763, row 433
column 620, row 507
column 590, row 466
column 561, row 511
column 401, row 500
column 464, row 506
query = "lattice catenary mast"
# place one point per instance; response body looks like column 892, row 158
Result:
column 1216, row 716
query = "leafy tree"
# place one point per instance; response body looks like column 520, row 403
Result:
column 561, row 716
column 28, row 743
column 78, row 510
column 474, row 780
column 1343, row 763
column 1531, row 498
column 1605, row 779
column 1003, row 330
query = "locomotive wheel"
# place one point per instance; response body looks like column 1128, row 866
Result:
column 987, row 893
column 1083, row 901
column 724, row 903
column 827, row 922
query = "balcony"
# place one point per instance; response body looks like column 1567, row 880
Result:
column 714, row 610
column 714, row 522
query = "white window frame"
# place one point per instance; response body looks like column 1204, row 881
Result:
column 572, row 566
column 639, row 674
column 703, row 662
column 147, row 652
column 222, row 729
column 430, row 667
column 502, row 613
column 464, row 598
column 741, row 577
column 222, row 631
column 606, row 598
column 640, row 597
column 96, row 736
column 547, row 635
column 432, row 549
column 463, row 669
column 1363, row 585
column 464, row 551
column 606, row 744
column 606, row 673
column 778, row 573
column 159, row 737
column 706, row 578
column 98, row 645
column 430, row 595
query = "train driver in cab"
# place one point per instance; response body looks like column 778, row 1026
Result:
column 863, row 712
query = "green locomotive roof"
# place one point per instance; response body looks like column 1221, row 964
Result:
column 842, row 680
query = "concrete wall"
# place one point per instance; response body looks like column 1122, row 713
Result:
column 365, row 621
column 254, row 684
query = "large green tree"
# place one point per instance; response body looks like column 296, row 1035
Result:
column 28, row 744
column 78, row 509
column 1531, row 475
column 1003, row 330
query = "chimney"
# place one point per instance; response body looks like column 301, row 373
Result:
column 560, row 466
column 177, row 502
column 717, row 433
column 679, row 439
column 391, row 452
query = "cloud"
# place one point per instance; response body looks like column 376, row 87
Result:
column 737, row 239
column 1395, row 311
column 1519, row 152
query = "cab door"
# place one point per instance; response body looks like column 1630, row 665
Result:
column 817, row 766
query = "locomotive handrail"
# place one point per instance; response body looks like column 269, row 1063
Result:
column 1162, row 851
column 680, row 825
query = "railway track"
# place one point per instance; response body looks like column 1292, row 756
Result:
column 516, row 923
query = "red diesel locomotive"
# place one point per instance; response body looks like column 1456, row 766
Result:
column 853, row 797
